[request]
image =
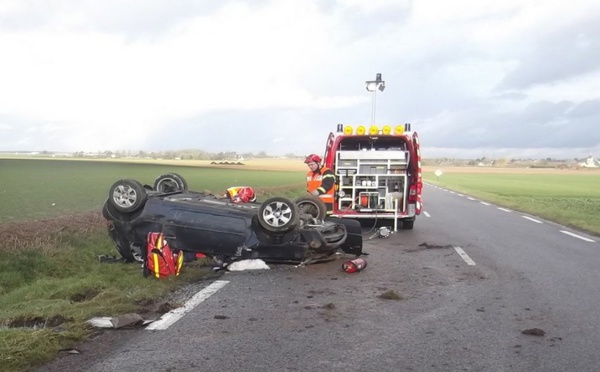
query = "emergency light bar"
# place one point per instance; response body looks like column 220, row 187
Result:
column 373, row 130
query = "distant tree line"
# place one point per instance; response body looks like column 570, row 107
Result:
column 188, row 154
column 501, row 162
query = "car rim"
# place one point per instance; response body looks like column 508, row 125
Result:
column 167, row 185
column 277, row 214
column 124, row 196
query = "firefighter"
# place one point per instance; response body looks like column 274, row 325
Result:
column 320, row 181
column 241, row 194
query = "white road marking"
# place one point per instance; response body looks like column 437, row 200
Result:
column 470, row 198
column 452, row 192
column 460, row 194
column 531, row 219
column 484, row 203
column 174, row 315
column 464, row 256
column 426, row 214
column 577, row 236
column 505, row 210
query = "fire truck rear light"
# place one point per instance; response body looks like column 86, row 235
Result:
column 373, row 130
column 412, row 193
column 399, row 129
column 387, row 129
column 361, row 130
column 348, row 130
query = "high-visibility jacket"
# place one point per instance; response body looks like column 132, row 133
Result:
column 322, row 180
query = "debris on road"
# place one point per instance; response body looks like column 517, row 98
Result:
column 252, row 264
column 123, row 321
column 390, row 295
column 534, row 332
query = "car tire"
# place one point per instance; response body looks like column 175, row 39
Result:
column 278, row 215
column 127, row 196
column 170, row 182
column 313, row 206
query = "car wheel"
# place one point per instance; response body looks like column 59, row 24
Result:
column 312, row 205
column 170, row 182
column 278, row 215
column 127, row 196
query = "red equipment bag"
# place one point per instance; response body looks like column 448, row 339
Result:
column 161, row 261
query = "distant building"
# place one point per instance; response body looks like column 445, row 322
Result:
column 590, row 162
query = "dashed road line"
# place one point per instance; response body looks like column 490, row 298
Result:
column 464, row 256
column 508, row 211
column 174, row 315
column 531, row 219
column 577, row 236
column 426, row 214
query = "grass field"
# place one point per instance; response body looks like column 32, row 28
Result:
column 35, row 189
column 569, row 197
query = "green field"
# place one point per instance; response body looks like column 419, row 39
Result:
column 35, row 189
column 571, row 199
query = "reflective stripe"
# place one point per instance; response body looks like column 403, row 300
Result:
column 179, row 262
column 156, row 268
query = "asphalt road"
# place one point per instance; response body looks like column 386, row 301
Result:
column 481, row 289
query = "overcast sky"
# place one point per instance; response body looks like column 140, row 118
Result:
column 511, row 78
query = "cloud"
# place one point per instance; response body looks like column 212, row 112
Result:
column 571, row 51
column 239, row 76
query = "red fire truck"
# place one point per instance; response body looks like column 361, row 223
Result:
column 378, row 173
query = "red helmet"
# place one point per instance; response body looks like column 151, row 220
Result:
column 245, row 195
column 313, row 158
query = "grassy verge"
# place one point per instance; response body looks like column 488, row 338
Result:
column 51, row 282
column 569, row 199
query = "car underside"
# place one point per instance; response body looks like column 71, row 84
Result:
column 277, row 230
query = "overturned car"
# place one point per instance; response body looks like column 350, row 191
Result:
column 276, row 230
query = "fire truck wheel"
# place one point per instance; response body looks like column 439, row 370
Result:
column 313, row 206
column 408, row 224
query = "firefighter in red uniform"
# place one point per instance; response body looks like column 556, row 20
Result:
column 320, row 181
